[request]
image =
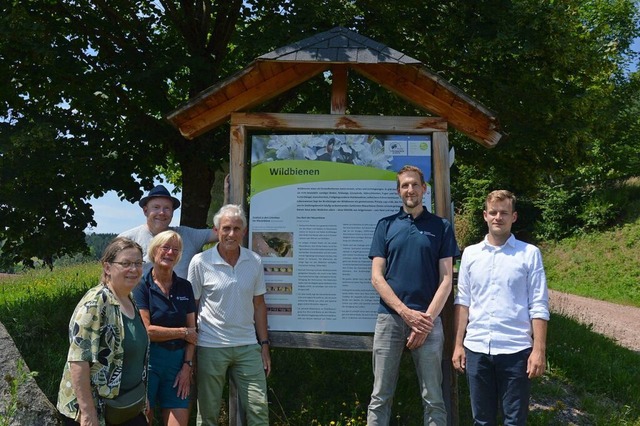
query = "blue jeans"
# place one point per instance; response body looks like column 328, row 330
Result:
column 245, row 367
column 389, row 342
column 499, row 380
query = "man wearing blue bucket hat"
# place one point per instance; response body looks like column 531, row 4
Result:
column 158, row 207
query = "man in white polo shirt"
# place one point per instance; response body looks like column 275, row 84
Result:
column 228, row 284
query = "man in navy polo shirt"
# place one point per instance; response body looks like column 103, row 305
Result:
column 412, row 268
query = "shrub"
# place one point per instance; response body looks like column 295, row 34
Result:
column 559, row 212
column 568, row 210
column 468, row 223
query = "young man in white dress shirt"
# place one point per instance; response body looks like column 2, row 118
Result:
column 501, row 314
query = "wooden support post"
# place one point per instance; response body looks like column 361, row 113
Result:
column 442, row 186
column 236, row 413
column 237, row 195
column 339, row 75
column 237, row 165
column 442, row 197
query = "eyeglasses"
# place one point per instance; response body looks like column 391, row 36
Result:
column 127, row 265
column 166, row 249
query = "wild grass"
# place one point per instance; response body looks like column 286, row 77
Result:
column 595, row 364
column 35, row 308
column 12, row 403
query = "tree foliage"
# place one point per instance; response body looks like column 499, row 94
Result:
column 83, row 111
column 89, row 81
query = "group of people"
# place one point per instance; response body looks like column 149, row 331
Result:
column 500, row 314
column 161, row 307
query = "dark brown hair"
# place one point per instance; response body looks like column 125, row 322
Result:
column 116, row 246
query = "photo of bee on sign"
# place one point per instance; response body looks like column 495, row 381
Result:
column 273, row 244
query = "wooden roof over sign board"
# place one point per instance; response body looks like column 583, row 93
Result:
column 286, row 67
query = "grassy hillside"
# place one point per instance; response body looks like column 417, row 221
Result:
column 602, row 265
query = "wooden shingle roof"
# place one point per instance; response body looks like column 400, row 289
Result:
column 339, row 45
column 286, row 67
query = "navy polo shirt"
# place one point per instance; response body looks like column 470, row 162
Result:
column 413, row 249
column 165, row 311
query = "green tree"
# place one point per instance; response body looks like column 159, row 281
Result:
column 595, row 194
column 89, row 82
column 97, row 243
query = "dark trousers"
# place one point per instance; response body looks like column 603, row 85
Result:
column 140, row 420
column 499, row 380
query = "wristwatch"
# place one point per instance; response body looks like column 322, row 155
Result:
column 265, row 342
column 189, row 363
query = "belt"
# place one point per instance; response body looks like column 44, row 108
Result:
column 172, row 345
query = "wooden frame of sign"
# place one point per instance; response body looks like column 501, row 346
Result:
column 243, row 123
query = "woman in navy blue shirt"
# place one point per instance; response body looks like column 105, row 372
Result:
column 168, row 310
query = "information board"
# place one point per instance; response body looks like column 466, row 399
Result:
column 315, row 200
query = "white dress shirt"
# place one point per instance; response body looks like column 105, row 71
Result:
column 504, row 288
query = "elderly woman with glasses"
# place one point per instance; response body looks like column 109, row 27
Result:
column 104, row 377
column 168, row 310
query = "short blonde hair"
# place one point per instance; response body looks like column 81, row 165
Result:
column 161, row 239
column 408, row 169
column 501, row 195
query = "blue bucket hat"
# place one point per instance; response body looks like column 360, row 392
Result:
column 159, row 191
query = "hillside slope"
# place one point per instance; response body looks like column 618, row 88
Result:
column 603, row 265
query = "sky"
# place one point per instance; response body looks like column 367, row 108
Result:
column 114, row 215
column 636, row 48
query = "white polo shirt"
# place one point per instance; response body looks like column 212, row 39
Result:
column 226, row 313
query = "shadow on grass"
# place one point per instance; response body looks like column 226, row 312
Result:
column 321, row 386
column 602, row 376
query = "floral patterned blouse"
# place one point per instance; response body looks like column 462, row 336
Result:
column 95, row 333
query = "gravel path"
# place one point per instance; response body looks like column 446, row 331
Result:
column 616, row 321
